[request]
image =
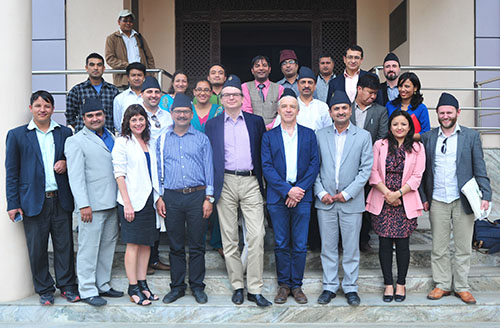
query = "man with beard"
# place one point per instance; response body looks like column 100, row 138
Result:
column 392, row 69
column 454, row 155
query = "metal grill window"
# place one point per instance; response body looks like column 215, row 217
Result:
column 334, row 40
column 196, row 50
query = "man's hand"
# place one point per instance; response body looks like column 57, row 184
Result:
column 327, row 199
column 12, row 213
column 484, row 205
column 207, row 208
column 289, row 202
column 86, row 214
column 339, row 198
column 161, row 208
column 60, row 166
column 426, row 206
column 296, row 193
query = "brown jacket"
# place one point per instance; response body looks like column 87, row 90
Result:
column 116, row 56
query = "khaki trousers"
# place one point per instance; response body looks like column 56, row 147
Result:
column 448, row 272
column 245, row 192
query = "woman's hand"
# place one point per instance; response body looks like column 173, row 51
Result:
column 392, row 197
column 161, row 208
column 128, row 212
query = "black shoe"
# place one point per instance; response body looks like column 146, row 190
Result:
column 365, row 248
column 325, row 297
column 111, row 293
column 258, row 299
column 400, row 298
column 388, row 298
column 173, row 296
column 200, row 296
column 95, row 301
column 238, row 297
column 133, row 290
column 353, row 299
column 47, row 298
column 143, row 286
column 71, row 296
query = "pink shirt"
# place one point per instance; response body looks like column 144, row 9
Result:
column 237, row 153
column 247, row 101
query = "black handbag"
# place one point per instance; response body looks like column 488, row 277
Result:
column 486, row 236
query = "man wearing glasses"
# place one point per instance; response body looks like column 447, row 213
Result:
column 454, row 155
column 236, row 142
column 289, row 67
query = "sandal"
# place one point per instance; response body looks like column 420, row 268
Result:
column 143, row 286
column 134, row 290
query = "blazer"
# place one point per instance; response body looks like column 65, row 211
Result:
column 412, row 175
column 355, row 168
column 338, row 83
column 470, row 163
column 25, row 175
column 214, row 129
column 274, row 163
column 385, row 96
column 376, row 121
column 90, row 171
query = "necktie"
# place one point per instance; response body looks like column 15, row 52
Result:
column 261, row 93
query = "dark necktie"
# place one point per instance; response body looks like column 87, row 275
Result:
column 261, row 93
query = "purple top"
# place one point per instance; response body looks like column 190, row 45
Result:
column 237, row 152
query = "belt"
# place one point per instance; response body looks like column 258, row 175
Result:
column 190, row 189
column 292, row 183
column 245, row 173
column 51, row 194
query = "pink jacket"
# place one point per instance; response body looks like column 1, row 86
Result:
column 412, row 175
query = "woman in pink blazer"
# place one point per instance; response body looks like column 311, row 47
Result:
column 394, row 202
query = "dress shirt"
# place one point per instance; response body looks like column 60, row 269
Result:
column 392, row 93
column 445, row 169
column 294, row 86
column 237, row 152
column 361, row 115
column 187, row 161
column 106, row 138
column 322, row 87
column 120, row 105
column 290, row 144
column 247, row 101
column 351, row 85
column 314, row 116
column 48, row 150
column 165, row 120
column 133, row 54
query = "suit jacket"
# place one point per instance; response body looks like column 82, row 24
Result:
column 470, row 163
column 25, row 175
column 385, row 96
column 355, row 168
column 412, row 175
column 214, row 129
column 90, row 171
column 274, row 163
column 338, row 83
column 376, row 121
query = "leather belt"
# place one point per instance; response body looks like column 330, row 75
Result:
column 292, row 183
column 51, row 194
column 190, row 189
column 240, row 172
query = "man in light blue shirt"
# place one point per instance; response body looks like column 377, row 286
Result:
column 326, row 65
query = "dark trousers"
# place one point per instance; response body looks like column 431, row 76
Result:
column 154, row 256
column 314, row 237
column 185, row 211
column 53, row 220
column 215, row 237
column 402, row 258
column 291, row 226
column 366, row 225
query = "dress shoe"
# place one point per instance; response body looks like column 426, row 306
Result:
column 353, row 298
column 388, row 297
column 466, row 297
column 200, row 296
column 173, row 296
column 70, row 296
column 95, row 301
column 150, row 271
column 437, row 293
column 160, row 266
column 365, row 248
column 400, row 298
column 258, row 299
column 238, row 296
column 282, row 295
column 326, row 296
column 47, row 298
column 299, row 295
column 112, row 293
column 221, row 252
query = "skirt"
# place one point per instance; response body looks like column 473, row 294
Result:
column 142, row 230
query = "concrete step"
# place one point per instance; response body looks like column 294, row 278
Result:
column 416, row 310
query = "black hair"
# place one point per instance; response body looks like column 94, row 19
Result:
column 260, row 57
column 408, row 142
column 417, row 98
column 138, row 66
column 354, row 47
column 216, row 64
column 369, row 81
column 171, row 90
column 203, row 80
column 45, row 95
column 324, row 54
column 94, row 55
column 130, row 112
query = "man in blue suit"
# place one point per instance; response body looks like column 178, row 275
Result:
column 289, row 194
column 38, row 190
column 236, row 140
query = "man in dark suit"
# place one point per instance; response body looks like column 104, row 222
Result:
column 236, row 140
column 454, row 155
column 38, row 191
column 289, row 194
column 392, row 69
column 372, row 117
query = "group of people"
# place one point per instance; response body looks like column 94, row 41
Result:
column 305, row 146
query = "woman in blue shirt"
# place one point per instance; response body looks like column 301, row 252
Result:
column 203, row 110
column 179, row 85
column 410, row 100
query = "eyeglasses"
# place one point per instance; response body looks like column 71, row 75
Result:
column 443, row 147
column 157, row 122
column 351, row 57
column 229, row 95
column 181, row 112
column 206, row 90
column 289, row 62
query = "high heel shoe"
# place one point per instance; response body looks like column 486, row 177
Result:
column 133, row 290
column 143, row 286
column 400, row 298
column 388, row 298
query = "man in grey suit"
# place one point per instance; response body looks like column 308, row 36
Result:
column 372, row 117
column 454, row 155
column 346, row 162
column 93, row 185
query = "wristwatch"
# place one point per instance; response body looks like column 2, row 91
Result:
column 211, row 199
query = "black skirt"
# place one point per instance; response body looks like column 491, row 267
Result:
column 142, row 230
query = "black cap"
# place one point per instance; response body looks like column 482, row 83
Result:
column 288, row 92
column 232, row 81
column 340, row 97
column 447, row 99
column 91, row 105
column 392, row 56
column 150, row 82
column 181, row 100
column 306, row 73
